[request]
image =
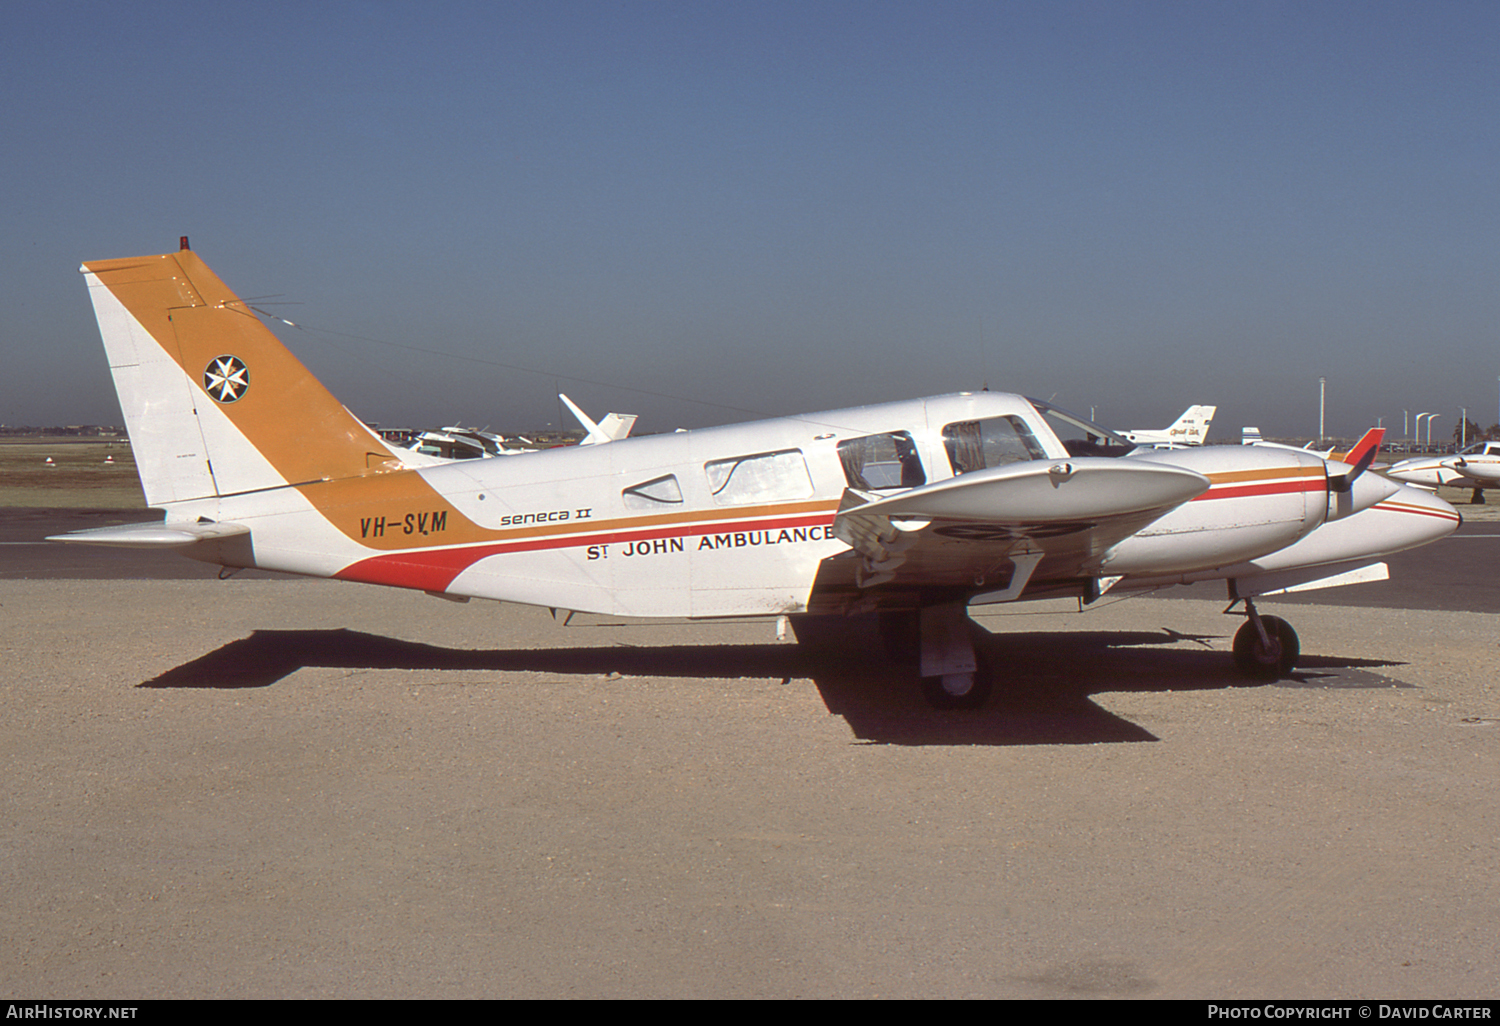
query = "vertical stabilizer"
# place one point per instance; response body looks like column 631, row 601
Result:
column 612, row 428
column 1192, row 427
column 206, row 388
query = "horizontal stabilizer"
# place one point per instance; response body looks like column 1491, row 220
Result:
column 151, row 536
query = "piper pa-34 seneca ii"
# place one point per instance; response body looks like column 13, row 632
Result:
column 909, row 511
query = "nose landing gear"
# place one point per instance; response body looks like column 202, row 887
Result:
column 1266, row 647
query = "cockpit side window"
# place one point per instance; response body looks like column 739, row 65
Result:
column 875, row 462
column 1079, row 436
column 978, row 444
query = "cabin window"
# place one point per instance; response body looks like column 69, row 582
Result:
column 654, row 494
column 978, row 444
column 882, row 461
column 763, row 477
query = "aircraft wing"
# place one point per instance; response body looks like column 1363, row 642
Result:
column 152, row 536
column 992, row 533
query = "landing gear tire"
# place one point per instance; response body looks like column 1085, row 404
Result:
column 958, row 690
column 1267, row 662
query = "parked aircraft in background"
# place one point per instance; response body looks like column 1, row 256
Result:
column 1366, row 448
column 908, row 512
column 612, row 428
column 460, row 443
column 1189, row 429
column 1477, row 467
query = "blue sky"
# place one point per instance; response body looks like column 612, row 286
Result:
column 701, row 212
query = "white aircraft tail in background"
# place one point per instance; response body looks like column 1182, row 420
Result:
column 612, row 428
column 1189, row 429
column 1250, row 436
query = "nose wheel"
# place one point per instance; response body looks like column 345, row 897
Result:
column 1266, row 647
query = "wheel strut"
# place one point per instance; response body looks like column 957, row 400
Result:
column 1265, row 646
column 1260, row 625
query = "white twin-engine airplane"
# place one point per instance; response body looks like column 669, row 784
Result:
column 911, row 511
column 1477, row 467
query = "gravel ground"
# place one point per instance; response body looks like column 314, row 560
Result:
column 308, row 789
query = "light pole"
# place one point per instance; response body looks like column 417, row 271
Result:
column 1463, row 428
column 1322, row 403
column 1417, row 423
column 1430, row 419
column 1405, row 425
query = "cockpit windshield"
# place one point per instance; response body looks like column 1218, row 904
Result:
column 1079, row 435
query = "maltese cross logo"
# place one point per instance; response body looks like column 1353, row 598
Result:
column 226, row 378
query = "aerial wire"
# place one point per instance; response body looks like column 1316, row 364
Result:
column 518, row 368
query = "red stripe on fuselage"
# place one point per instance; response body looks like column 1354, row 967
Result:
column 1419, row 510
column 435, row 569
column 1263, row 488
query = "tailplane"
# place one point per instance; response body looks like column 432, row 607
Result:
column 205, row 388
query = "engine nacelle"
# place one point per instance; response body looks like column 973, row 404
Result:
column 1260, row 500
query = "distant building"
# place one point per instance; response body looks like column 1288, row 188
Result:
column 76, row 430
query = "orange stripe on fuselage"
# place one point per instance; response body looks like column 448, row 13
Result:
column 350, row 505
column 1235, row 484
column 435, row 569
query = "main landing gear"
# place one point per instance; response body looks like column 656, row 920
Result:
column 965, row 690
column 941, row 640
column 945, row 651
column 937, row 644
column 1266, row 647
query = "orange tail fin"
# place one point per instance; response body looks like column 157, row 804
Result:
column 217, row 385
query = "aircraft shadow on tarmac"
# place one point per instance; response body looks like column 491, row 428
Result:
column 1042, row 693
